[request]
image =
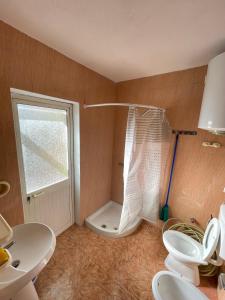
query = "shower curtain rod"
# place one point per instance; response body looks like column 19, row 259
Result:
column 123, row 104
column 174, row 131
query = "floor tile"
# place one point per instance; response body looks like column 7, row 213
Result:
column 86, row 266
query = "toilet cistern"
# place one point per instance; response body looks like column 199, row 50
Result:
column 186, row 254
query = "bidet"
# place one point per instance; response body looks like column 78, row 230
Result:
column 168, row 286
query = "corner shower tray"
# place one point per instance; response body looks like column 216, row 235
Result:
column 105, row 221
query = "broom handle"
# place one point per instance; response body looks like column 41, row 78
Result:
column 172, row 168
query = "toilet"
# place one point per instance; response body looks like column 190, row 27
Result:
column 186, row 254
column 169, row 286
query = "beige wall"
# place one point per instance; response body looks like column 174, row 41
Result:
column 29, row 65
column 199, row 176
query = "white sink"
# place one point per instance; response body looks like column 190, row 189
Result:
column 33, row 246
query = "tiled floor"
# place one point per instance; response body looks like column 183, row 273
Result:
column 86, row 266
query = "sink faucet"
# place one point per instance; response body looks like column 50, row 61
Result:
column 9, row 245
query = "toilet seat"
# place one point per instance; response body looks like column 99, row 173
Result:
column 211, row 238
column 168, row 286
column 176, row 242
column 188, row 248
column 186, row 254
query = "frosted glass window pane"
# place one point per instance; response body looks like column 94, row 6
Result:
column 44, row 138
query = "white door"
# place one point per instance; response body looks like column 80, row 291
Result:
column 43, row 132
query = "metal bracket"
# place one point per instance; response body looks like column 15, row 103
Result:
column 184, row 132
column 211, row 144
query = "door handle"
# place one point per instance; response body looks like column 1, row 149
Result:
column 37, row 194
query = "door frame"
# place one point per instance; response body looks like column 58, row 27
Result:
column 24, row 97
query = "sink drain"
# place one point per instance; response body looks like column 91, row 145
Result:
column 103, row 226
column 16, row 263
column 115, row 228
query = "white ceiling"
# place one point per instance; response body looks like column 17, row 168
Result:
column 124, row 39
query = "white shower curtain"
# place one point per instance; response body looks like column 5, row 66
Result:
column 146, row 150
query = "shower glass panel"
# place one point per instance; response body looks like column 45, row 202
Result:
column 44, row 139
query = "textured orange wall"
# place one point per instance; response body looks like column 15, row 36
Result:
column 29, row 65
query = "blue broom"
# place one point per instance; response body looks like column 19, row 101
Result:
column 164, row 214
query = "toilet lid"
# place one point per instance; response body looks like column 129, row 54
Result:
column 211, row 238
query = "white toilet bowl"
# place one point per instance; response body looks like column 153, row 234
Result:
column 169, row 286
column 186, row 254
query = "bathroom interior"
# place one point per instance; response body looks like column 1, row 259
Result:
column 112, row 146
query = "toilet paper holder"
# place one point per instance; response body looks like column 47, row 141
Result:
column 4, row 188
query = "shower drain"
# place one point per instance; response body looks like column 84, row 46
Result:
column 105, row 226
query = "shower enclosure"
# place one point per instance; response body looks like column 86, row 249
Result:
column 146, row 150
